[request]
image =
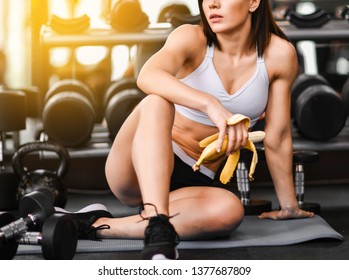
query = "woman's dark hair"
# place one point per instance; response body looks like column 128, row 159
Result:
column 263, row 25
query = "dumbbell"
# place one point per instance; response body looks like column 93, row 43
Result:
column 167, row 12
column 128, row 16
column 58, row 238
column 73, row 25
column 32, row 99
column 251, row 206
column 316, row 19
column 318, row 112
column 300, row 158
column 69, row 113
column 120, row 99
column 178, row 14
column 56, row 233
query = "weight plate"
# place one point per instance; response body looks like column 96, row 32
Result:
column 118, row 86
column 120, row 107
column 311, row 207
column 71, row 85
column 302, row 157
column 59, row 238
column 69, row 118
column 36, row 203
column 320, row 113
column 303, row 82
column 257, row 207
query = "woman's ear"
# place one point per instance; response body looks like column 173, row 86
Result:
column 254, row 4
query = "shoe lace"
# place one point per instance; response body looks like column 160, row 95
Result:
column 90, row 232
column 159, row 227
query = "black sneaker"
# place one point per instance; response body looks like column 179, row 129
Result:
column 85, row 217
column 160, row 239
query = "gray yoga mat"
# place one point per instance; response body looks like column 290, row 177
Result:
column 252, row 232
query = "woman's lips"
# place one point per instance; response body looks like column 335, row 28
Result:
column 215, row 17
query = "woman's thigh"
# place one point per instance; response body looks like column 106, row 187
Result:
column 119, row 170
column 120, row 165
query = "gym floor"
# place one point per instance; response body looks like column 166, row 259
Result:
column 334, row 209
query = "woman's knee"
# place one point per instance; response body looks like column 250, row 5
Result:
column 226, row 214
column 161, row 104
column 127, row 196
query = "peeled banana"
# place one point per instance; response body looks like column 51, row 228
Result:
column 210, row 154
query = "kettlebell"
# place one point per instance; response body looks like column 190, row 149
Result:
column 41, row 178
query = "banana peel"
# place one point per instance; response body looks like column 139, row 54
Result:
column 210, row 154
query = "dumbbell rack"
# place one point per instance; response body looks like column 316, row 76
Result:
column 335, row 29
column 106, row 37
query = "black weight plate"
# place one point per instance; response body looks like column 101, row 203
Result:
column 257, row 207
column 38, row 204
column 10, row 119
column 311, row 207
column 301, row 157
column 167, row 12
column 120, row 107
column 33, row 101
column 177, row 20
column 8, row 248
column 320, row 113
column 69, row 119
column 303, row 82
column 59, row 238
column 118, row 86
column 71, row 85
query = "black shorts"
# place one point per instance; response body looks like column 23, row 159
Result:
column 184, row 176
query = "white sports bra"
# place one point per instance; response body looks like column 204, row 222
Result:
column 250, row 100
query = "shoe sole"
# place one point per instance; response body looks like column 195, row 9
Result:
column 89, row 208
column 160, row 257
column 163, row 257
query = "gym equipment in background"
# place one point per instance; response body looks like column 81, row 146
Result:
column 32, row 180
column 12, row 120
column 345, row 94
column 316, row 19
column 318, row 111
column 128, row 16
column 69, row 113
column 38, row 224
column 300, row 158
column 32, row 99
column 120, row 99
column 178, row 14
column 69, row 25
column 251, row 206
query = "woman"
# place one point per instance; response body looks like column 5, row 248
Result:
column 238, row 61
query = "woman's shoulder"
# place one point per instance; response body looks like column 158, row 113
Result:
column 280, row 48
column 188, row 34
column 191, row 29
column 281, row 54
